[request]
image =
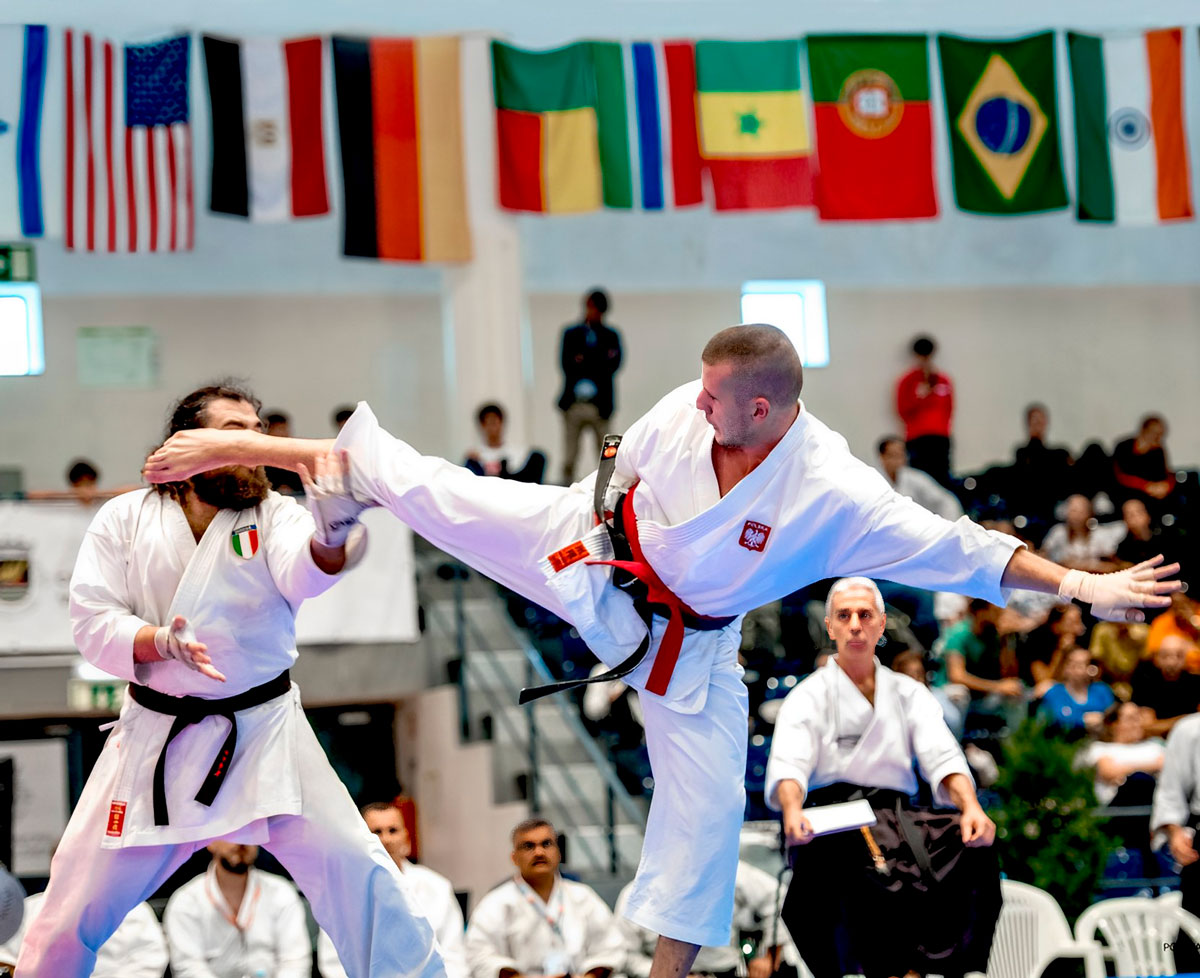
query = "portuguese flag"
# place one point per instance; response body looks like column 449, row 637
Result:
column 1129, row 127
column 400, row 132
column 561, row 128
column 874, row 130
column 753, row 124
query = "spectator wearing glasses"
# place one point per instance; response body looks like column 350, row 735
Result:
column 539, row 924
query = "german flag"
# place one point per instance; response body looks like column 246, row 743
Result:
column 400, row 131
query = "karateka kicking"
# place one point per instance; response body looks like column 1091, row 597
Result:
column 189, row 591
column 730, row 494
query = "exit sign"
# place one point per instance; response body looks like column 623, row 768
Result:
column 16, row 263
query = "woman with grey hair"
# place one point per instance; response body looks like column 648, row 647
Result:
column 919, row 891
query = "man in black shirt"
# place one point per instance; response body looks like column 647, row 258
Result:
column 1163, row 686
column 591, row 356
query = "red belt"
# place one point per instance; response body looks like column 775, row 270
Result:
column 661, row 599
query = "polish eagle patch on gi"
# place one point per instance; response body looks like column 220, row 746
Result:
column 754, row 535
column 245, row 541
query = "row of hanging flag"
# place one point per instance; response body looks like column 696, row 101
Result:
column 96, row 137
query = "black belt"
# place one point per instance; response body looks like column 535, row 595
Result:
column 192, row 709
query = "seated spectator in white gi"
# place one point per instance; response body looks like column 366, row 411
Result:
column 1176, row 814
column 236, row 920
column 756, row 901
column 538, row 923
column 854, row 729
column 431, row 892
column 1077, row 704
column 136, row 950
column 1080, row 542
column 496, row 455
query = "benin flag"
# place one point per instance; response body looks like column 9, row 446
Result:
column 561, row 128
column 1001, row 107
column 753, row 124
column 401, row 139
column 1132, row 151
column 874, row 132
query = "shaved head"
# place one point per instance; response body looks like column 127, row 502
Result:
column 763, row 359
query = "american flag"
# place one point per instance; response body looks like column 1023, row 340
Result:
column 128, row 145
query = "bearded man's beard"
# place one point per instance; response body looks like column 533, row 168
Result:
column 231, row 488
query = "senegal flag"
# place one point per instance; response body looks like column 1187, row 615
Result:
column 874, row 132
column 1129, row 127
column 753, row 124
column 561, row 128
column 1002, row 115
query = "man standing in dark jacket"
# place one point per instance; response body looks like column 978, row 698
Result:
column 591, row 355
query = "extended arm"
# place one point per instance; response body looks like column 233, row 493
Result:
column 1118, row 596
column 195, row 450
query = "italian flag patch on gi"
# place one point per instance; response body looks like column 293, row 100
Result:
column 245, row 541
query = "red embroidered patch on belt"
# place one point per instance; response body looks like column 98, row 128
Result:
column 754, row 535
column 568, row 555
column 116, row 819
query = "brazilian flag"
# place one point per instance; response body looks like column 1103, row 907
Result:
column 1002, row 115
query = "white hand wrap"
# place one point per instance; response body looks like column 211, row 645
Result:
column 333, row 509
column 172, row 644
column 1113, row 595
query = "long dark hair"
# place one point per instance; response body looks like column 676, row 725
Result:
column 189, row 412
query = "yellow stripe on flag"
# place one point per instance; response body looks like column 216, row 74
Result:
column 750, row 125
column 571, row 165
column 447, row 235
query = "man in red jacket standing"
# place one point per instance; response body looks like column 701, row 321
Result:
column 925, row 403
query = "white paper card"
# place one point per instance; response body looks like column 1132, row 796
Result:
column 840, row 818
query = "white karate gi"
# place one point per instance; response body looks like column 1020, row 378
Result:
column 434, row 894
column 757, row 901
column 809, row 511
column 140, row 564
column 268, row 935
column 1177, row 794
column 573, row 932
column 827, row 732
column 137, row 949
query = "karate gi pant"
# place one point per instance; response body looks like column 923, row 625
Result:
column 357, row 893
column 685, row 881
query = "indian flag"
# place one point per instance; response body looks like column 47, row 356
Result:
column 561, row 128
column 1132, row 149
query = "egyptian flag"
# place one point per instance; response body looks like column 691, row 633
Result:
column 400, row 129
column 268, row 151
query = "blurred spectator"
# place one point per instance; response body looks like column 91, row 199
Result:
column 1140, row 464
column 615, row 712
column 1077, row 704
column 430, row 893
column 1041, row 653
column 952, row 699
column 282, row 481
column 925, row 403
column 756, row 901
column 538, row 923
column 1080, row 541
column 82, row 486
column 341, row 414
column 1117, row 647
column 1163, row 687
column 236, row 920
column 1181, row 619
column 1141, row 540
column 1127, row 762
column 976, row 655
column 913, row 483
column 137, row 948
column 591, row 356
column 1039, row 474
column 494, row 455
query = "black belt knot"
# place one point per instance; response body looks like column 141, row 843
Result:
column 192, row 709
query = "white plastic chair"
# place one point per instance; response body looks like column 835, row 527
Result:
column 1138, row 932
column 1032, row 931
